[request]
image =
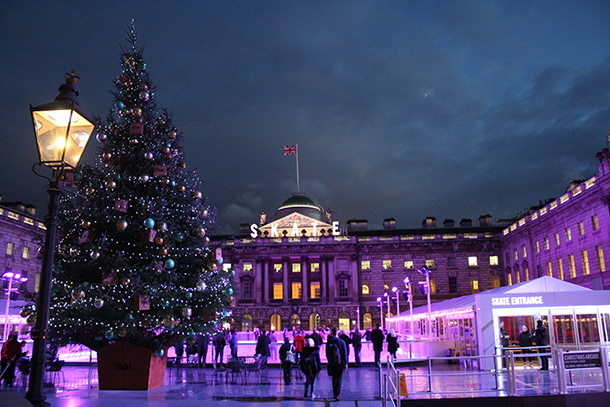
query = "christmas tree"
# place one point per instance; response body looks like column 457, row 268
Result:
column 133, row 261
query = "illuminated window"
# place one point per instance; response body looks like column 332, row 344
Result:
column 387, row 264
column 408, row 264
column 493, row 261
column 495, row 282
column 314, row 267
column 365, row 265
column 556, row 235
column 297, row 292
column 278, row 291
column 430, row 264
column 518, row 276
column 601, row 265
column 568, row 234
column 247, row 288
column 432, row 286
column 386, row 285
column 226, row 266
column 595, row 222
column 472, row 261
column 524, row 252
column 296, row 267
column 572, row 264
column 560, row 269
column 366, row 288
column 277, row 267
column 474, row 286
column 453, row 288
column 537, row 245
column 247, row 266
column 549, row 269
column 581, row 228
column 314, row 289
column 526, row 270
column 546, row 244
column 585, row 262
column 26, row 252
column 509, row 277
column 9, row 248
column 516, row 255
column 343, row 287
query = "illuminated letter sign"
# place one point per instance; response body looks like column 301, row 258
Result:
column 254, row 230
column 274, row 230
column 314, row 229
column 295, row 229
column 336, row 228
column 511, row 301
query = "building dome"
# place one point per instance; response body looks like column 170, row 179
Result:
column 301, row 204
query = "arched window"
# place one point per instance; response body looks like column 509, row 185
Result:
column 295, row 321
column 314, row 321
column 367, row 321
column 343, row 322
column 276, row 322
column 246, row 322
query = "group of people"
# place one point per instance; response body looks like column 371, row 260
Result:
column 526, row 340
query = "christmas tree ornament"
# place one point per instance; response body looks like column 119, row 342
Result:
column 165, row 150
column 163, row 251
column 163, row 227
column 85, row 223
column 172, row 134
column 121, row 225
column 169, row 264
column 101, row 137
column 136, row 111
column 165, row 303
column 109, row 334
column 125, row 281
column 169, row 322
column 133, row 141
column 188, row 295
column 74, row 251
column 179, row 237
column 149, row 223
column 187, row 312
column 110, row 185
column 182, row 164
column 95, row 255
column 201, row 285
column 148, row 156
column 231, row 272
column 25, row 312
column 197, row 195
column 142, row 65
column 144, row 95
column 228, row 291
column 159, row 240
column 106, row 157
column 31, row 319
column 90, row 191
column 77, row 294
column 125, row 112
column 159, row 352
column 201, row 232
column 144, row 178
column 166, row 181
column 98, row 303
column 119, row 105
column 181, row 188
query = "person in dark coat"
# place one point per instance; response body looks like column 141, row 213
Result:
column 179, row 347
column 392, row 339
column 347, row 341
column 286, row 364
column 311, row 366
column 525, row 341
column 233, row 344
column 336, row 371
column 203, row 341
column 219, row 345
column 377, row 339
column 11, row 352
column 262, row 347
column 542, row 340
column 357, row 344
column 316, row 338
column 504, row 342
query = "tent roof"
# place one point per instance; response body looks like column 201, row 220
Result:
column 540, row 285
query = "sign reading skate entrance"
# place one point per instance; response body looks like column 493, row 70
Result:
column 582, row 360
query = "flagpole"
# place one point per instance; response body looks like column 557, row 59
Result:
column 297, row 154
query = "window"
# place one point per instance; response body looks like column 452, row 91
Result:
column 516, row 255
column 451, row 262
column 572, row 264
column 493, row 261
column 549, row 269
column 601, row 265
column 386, row 285
column 472, row 261
column 537, row 244
column 556, row 235
column 524, row 252
column 430, row 264
column 568, row 234
column 314, row 289
column 518, row 276
column 314, row 267
column 246, row 322
column 277, row 267
column 297, row 292
column 453, row 289
column 226, row 267
column 296, row 267
column 595, row 222
column 526, row 270
column 9, row 248
column 343, row 288
column 585, row 262
column 247, row 288
column 387, row 264
column 295, row 321
column 495, row 282
column 278, row 291
column 432, row 286
column 365, row 265
column 509, row 278
column 560, row 269
column 474, row 286
column 408, row 264
column 247, row 266
column 367, row 321
column 366, row 288
column 26, row 252
column 546, row 244
column 581, row 228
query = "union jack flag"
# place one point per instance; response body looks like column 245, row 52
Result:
column 290, row 150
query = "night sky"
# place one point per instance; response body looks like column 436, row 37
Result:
column 401, row 109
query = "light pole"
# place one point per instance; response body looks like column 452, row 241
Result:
column 62, row 131
column 425, row 271
column 387, row 318
column 16, row 277
column 358, row 315
column 395, row 290
column 380, row 310
column 407, row 282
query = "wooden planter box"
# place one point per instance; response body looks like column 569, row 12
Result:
column 123, row 366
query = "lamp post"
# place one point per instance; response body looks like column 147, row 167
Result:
column 387, row 319
column 62, row 131
column 16, row 277
column 380, row 310
column 395, row 290
column 407, row 282
column 425, row 271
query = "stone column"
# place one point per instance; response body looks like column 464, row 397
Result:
column 304, row 286
column 266, row 279
column 285, row 279
column 353, row 272
column 323, row 268
column 331, row 280
column 258, row 282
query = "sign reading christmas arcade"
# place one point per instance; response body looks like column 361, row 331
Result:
column 582, row 360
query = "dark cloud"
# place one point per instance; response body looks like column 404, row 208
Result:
column 400, row 110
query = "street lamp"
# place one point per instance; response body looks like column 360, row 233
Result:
column 380, row 310
column 16, row 277
column 395, row 290
column 387, row 296
column 425, row 271
column 407, row 282
column 62, row 131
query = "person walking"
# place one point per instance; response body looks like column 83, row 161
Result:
column 542, row 340
column 11, row 352
column 357, row 344
column 310, row 366
column 288, row 358
column 525, row 341
column 392, row 339
column 377, row 339
column 203, row 341
column 336, row 355
column 262, row 348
